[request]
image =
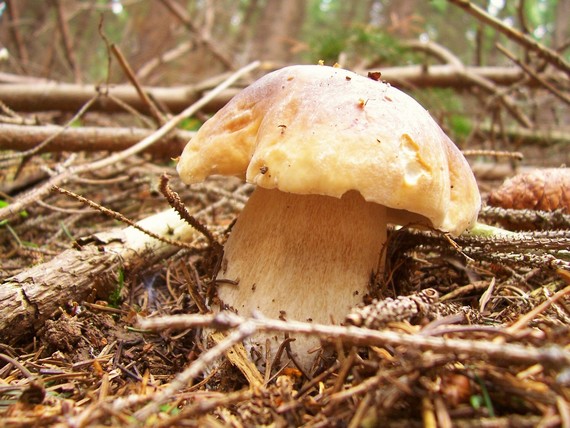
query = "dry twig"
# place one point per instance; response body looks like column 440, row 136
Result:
column 513, row 353
column 152, row 108
column 29, row 198
column 523, row 39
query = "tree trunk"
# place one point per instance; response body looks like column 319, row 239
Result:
column 561, row 31
column 278, row 30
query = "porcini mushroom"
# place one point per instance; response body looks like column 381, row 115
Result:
column 334, row 156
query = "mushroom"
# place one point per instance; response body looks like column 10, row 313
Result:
column 334, row 156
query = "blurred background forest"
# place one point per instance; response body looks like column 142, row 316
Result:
column 480, row 96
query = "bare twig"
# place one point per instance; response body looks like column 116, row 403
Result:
column 510, row 352
column 67, row 40
column 120, row 217
column 181, row 15
column 528, row 42
column 29, row 198
column 435, row 49
column 146, row 69
column 562, row 96
column 153, row 109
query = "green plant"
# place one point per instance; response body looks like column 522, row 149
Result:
column 4, row 204
column 115, row 296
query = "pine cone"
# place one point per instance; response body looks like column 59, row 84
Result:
column 541, row 189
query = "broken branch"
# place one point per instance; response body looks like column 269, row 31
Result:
column 510, row 352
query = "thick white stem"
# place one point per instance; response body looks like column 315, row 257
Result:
column 302, row 257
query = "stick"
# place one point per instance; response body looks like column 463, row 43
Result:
column 513, row 353
column 25, row 139
column 30, row 197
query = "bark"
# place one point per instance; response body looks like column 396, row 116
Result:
column 88, row 139
column 30, row 298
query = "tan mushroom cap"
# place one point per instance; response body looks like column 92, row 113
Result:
column 322, row 130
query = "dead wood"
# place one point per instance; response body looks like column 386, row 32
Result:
column 70, row 97
column 30, row 298
column 88, row 139
column 521, row 136
column 40, row 191
column 557, row 356
column 450, row 76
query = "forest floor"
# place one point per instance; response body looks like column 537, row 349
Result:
column 492, row 350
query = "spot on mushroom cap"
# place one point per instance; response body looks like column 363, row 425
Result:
column 322, row 130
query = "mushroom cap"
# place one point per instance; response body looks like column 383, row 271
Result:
column 311, row 129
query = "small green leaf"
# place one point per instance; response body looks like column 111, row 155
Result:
column 4, row 204
column 115, row 297
column 190, row 124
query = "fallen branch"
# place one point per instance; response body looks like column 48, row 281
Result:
column 38, row 96
column 537, row 137
column 447, row 76
column 508, row 352
column 30, row 298
column 89, row 139
column 36, row 194
column 35, row 97
column 90, row 271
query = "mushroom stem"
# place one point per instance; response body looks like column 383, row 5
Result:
column 302, row 257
